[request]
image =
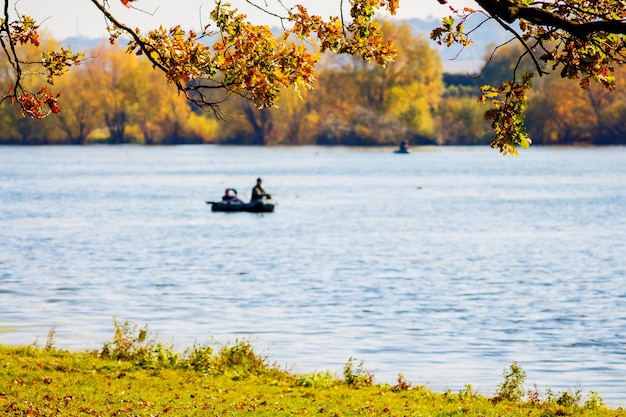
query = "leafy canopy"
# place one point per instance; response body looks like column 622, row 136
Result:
column 583, row 40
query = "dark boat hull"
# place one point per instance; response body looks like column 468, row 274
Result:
column 260, row 206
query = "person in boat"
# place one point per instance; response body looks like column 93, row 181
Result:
column 258, row 193
column 230, row 196
column 404, row 146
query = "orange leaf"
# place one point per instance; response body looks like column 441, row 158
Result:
column 125, row 2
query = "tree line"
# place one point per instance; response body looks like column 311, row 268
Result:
column 115, row 98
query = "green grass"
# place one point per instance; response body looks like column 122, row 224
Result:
column 134, row 375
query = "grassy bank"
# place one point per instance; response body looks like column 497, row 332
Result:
column 134, row 375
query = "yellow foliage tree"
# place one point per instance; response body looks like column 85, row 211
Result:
column 110, row 81
column 561, row 113
column 461, row 122
column 392, row 103
column 80, row 104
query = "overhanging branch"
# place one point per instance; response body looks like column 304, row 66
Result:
column 540, row 70
column 510, row 12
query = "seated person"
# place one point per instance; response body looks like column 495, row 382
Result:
column 258, row 193
column 230, row 196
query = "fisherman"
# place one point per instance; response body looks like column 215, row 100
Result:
column 258, row 193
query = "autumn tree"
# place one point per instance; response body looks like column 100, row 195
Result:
column 80, row 104
column 383, row 105
column 109, row 78
column 298, row 118
column 345, row 117
column 158, row 112
column 582, row 40
column 131, row 100
column 414, row 81
column 261, row 122
column 461, row 122
column 609, row 110
column 561, row 113
column 407, row 90
column 16, row 128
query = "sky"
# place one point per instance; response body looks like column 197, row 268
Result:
column 66, row 18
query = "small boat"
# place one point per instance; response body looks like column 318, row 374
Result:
column 257, row 206
column 403, row 148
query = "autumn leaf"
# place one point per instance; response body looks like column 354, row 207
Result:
column 125, row 2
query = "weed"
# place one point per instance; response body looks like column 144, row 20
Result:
column 569, row 399
column 358, row 377
column 594, row 402
column 512, row 389
column 317, row 380
column 533, row 396
column 467, row 393
column 550, row 396
column 402, row 384
column 200, row 358
column 566, row 399
column 50, row 340
column 130, row 343
column 160, row 356
column 240, row 361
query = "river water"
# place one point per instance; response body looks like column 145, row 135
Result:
column 444, row 265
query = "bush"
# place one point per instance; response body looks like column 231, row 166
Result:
column 200, row 358
column 317, row 379
column 129, row 342
column 512, row 389
column 357, row 377
column 240, row 360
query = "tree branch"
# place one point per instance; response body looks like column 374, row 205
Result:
column 510, row 12
column 540, row 70
column 129, row 31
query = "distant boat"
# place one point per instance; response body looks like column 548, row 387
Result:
column 257, row 206
column 403, row 148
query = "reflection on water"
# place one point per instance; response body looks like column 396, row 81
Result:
column 445, row 264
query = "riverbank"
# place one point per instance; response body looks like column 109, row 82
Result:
column 134, row 375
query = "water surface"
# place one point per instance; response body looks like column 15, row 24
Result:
column 445, row 264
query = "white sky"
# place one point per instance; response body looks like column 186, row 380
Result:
column 65, row 18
